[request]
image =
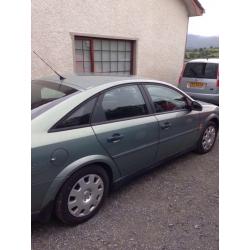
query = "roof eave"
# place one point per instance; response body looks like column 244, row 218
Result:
column 194, row 8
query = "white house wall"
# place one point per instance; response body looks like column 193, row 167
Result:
column 158, row 26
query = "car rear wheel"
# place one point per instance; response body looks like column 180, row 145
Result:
column 207, row 139
column 82, row 195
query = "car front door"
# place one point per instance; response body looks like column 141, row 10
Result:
column 179, row 126
column 126, row 129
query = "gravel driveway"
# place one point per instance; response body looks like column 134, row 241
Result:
column 171, row 207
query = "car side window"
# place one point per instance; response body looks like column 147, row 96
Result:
column 121, row 102
column 80, row 117
column 166, row 99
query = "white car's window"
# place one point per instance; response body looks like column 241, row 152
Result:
column 201, row 70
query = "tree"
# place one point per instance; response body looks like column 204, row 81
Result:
column 192, row 55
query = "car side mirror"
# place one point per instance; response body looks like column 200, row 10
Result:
column 196, row 106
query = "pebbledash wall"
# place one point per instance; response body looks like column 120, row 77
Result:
column 159, row 28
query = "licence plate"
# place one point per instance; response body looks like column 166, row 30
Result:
column 196, row 85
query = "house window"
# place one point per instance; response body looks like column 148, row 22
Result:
column 103, row 55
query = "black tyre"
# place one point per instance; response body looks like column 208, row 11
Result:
column 208, row 138
column 82, row 195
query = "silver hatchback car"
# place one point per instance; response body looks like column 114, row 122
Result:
column 200, row 79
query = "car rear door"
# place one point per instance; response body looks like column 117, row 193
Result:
column 125, row 128
column 179, row 126
column 200, row 77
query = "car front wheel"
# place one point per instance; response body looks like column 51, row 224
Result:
column 82, row 195
column 207, row 139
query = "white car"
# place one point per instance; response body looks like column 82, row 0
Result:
column 200, row 80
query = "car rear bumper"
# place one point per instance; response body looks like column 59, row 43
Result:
column 211, row 98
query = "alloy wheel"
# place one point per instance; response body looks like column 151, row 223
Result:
column 208, row 137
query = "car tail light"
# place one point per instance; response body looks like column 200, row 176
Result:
column 217, row 81
column 181, row 74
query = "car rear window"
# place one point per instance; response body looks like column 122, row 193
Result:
column 43, row 92
column 201, row 70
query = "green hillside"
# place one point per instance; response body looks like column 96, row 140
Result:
column 202, row 53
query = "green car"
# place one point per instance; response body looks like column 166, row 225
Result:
column 91, row 133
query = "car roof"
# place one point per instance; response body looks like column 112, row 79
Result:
column 204, row 60
column 85, row 82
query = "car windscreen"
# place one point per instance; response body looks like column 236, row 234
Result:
column 201, row 70
column 43, row 92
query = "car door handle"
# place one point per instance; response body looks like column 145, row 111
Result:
column 115, row 138
column 166, row 125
